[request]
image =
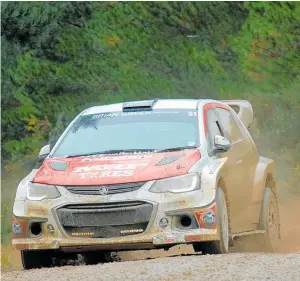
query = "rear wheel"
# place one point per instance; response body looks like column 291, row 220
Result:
column 36, row 259
column 269, row 221
column 220, row 246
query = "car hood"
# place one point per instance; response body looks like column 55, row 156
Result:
column 112, row 169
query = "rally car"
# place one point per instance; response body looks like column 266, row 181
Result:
column 147, row 175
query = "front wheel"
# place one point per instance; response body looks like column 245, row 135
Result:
column 36, row 259
column 220, row 246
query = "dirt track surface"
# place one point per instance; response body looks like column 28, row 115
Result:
column 221, row 267
column 171, row 266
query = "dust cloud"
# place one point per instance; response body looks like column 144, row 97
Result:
column 289, row 204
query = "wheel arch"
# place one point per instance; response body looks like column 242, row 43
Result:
column 264, row 177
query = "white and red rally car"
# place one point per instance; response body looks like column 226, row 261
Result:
column 146, row 175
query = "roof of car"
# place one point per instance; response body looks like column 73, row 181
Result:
column 159, row 104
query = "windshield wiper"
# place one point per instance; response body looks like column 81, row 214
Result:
column 112, row 151
column 177, row 148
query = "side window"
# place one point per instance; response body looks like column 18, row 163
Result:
column 213, row 126
column 232, row 130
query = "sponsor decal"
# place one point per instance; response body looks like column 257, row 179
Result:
column 35, row 210
column 82, row 233
column 209, row 218
column 177, row 204
column 109, row 167
column 96, row 158
column 120, row 157
column 170, row 239
column 193, row 238
column 131, row 231
column 104, row 174
column 109, row 170
column 192, row 113
column 199, row 237
column 17, row 229
column 137, row 113
column 105, row 115
column 140, row 113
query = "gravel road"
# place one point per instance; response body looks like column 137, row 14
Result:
column 181, row 263
column 195, row 267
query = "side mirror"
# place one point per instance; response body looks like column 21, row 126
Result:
column 221, row 144
column 44, row 152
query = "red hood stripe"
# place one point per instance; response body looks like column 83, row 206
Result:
column 112, row 169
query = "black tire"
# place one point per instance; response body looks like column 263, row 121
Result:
column 36, row 259
column 220, row 246
column 95, row 257
column 269, row 221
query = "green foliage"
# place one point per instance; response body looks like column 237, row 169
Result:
column 61, row 57
column 28, row 36
column 35, row 25
column 268, row 44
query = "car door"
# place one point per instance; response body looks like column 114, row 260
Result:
column 230, row 172
column 241, row 154
column 251, row 159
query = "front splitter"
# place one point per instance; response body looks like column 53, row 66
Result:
column 148, row 241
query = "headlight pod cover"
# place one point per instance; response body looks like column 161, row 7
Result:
column 37, row 191
column 186, row 183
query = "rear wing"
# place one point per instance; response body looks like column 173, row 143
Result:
column 244, row 110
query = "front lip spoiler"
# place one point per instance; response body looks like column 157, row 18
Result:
column 111, row 247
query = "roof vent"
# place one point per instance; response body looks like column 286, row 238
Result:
column 138, row 105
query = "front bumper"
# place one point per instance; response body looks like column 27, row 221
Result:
column 165, row 206
column 143, row 242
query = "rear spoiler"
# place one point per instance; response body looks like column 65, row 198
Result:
column 244, row 110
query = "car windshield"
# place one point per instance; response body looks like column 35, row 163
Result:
column 130, row 132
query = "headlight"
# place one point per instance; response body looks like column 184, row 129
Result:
column 179, row 184
column 36, row 191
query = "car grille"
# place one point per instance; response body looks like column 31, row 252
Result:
column 111, row 188
column 105, row 220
